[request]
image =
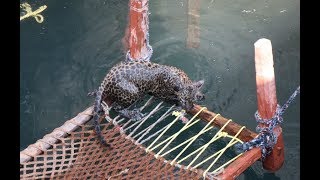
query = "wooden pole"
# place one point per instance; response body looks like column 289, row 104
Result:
column 267, row 103
column 138, row 29
column 193, row 30
column 267, row 99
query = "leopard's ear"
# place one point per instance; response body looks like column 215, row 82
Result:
column 198, row 84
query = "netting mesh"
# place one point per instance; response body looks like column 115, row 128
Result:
column 80, row 156
column 159, row 146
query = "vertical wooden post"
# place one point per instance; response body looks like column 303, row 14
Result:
column 138, row 29
column 193, row 32
column 267, row 99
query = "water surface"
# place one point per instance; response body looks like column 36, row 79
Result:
column 67, row 56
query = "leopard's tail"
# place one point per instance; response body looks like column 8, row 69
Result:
column 97, row 110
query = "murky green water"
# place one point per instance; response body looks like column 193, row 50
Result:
column 68, row 55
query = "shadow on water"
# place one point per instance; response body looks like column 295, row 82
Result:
column 250, row 174
column 67, row 56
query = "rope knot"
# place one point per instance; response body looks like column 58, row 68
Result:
column 266, row 138
column 275, row 120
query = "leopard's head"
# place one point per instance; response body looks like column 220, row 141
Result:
column 189, row 94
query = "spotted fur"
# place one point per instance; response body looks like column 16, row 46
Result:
column 128, row 82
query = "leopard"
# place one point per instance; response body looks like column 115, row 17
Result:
column 129, row 81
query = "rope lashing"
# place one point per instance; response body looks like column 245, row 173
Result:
column 146, row 57
column 145, row 7
column 181, row 115
column 266, row 138
column 29, row 13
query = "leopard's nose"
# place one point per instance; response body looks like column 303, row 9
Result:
column 200, row 97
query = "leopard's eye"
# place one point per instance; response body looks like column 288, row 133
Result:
column 176, row 88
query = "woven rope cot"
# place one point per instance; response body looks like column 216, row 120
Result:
column 157, row 147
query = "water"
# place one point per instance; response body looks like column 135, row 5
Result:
column 68, row 55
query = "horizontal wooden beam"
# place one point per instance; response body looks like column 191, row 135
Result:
column 242, row 163
column 232, row 128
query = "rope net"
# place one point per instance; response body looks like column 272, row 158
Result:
column 159, row 146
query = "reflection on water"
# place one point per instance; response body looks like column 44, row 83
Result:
column 68, row 55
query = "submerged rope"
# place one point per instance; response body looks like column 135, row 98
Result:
column 266, row 138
